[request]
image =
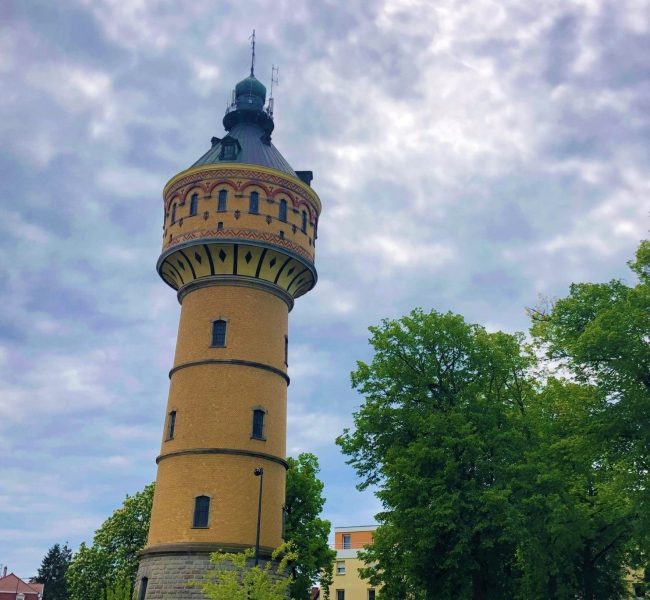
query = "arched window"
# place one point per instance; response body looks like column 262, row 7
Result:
column 173, row 213
column 171, row 425
column 218, row 333
column 201, row 511
column 222, row 204
column 282, row 215
column 304, row 222
column 254, row 203
column 194, row 204
column 258, row 424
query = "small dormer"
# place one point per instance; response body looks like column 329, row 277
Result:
column 230, row 148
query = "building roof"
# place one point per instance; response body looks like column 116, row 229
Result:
column 254, row 150
column 249, row 125
column 13, row 584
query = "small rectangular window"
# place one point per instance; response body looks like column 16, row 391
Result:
column 282, row 212
column 258, row 424
column 340, row 567
column 286, row 350
column 143, row 588
column 340, row 594
column 346, row 541
column 371, row 594
column 218, row 334
column 171, row 425
column 201, row 511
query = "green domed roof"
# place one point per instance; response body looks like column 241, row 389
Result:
column 251, row 86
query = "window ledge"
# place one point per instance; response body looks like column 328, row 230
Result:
column 255, row 437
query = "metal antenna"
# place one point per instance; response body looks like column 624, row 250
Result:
column 274, row 80
column 252, row 38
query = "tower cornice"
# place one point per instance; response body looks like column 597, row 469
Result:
column 193, row 175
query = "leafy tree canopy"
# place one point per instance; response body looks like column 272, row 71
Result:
column 102, row 568
column 503, row 471
column 304, row 529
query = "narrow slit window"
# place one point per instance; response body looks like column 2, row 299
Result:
column 201, row 511
column 258, row 424
column 304, row 222
column 194, row 205
column 222, row 202
column 254, row 203
column 286, row 350
column 171, row 425
column 371, row 594
column 219, row 333
column 282, row 214
column 143, row 588
column 173, row 213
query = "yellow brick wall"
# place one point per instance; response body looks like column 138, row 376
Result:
column 213, row 404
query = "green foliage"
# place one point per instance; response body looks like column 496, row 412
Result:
column 307, row 533
column 601, row 334
column 52, row 572
column 506, row 471
column 111, row 563
column 441, row 432
column 234, row 577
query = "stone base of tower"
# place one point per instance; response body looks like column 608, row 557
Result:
column 169, row 575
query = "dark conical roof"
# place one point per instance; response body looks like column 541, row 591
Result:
column 252, row 150
column 249, row 126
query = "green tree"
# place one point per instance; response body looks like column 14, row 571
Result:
column 234, row 577
column 304, row 529
column 102, row 568
column 601, row 334
column 52, row 572
column 441, row 433
column 576, row 515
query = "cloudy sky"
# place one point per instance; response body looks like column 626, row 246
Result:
column 470, row 155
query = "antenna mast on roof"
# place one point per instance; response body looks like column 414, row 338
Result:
column 274, row 80
column 252, row 38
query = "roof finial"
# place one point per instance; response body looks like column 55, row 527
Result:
column 252, row 38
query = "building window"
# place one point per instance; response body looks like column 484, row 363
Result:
column 254, row 203
column 286, row 350
column 258, row 424
column 346, row 541
column 143, row 588
column 201, row 511
column 218, row 334
column 173, row 213
column 340, row 567
column 222, row 204
column 304, row 222
column 194, row 205
column 371, row 594
column 171, row 425
column 284, row 522
column 282, row 214
column 340, row 594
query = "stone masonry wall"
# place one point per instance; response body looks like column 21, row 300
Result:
column 170, row 575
